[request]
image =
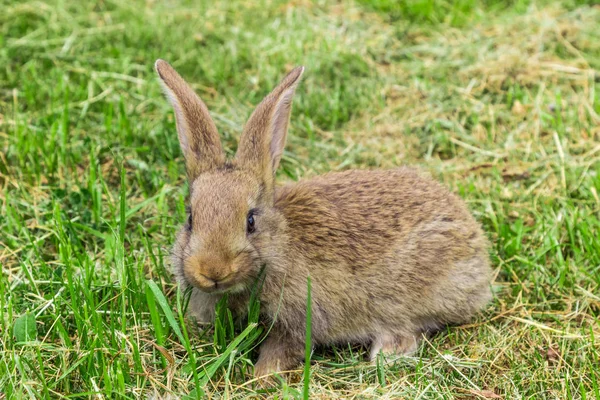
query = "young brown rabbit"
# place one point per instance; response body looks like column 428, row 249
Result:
column 391, row 254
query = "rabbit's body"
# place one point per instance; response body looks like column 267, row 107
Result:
column 391, row 254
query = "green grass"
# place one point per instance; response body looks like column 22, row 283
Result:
column 500, row 100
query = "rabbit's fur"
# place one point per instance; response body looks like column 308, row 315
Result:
column 391, row 254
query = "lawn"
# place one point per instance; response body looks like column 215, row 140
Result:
column 500, row 100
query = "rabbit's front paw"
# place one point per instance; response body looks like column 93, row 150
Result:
column 277, row 355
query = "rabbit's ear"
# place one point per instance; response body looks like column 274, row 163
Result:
column 197, row 132
column 263, row 138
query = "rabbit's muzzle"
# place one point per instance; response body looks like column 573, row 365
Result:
column 212, row 274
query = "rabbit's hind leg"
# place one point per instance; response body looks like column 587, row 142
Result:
column 390, row 344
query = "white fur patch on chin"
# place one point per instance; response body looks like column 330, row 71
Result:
column 237, row 288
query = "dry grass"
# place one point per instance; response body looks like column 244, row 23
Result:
column 499, row 101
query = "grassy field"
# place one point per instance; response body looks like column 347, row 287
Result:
column 499, row 100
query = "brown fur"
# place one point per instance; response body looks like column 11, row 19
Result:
column 391, row 254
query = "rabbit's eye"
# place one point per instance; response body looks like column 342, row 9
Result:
column 189, row 222
column 250, row 228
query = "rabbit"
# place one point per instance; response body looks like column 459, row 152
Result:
column 392, row 255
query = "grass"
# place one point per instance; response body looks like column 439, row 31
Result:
column 497, row 99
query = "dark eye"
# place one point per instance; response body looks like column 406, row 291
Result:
column 189, row 222
column 250, row 222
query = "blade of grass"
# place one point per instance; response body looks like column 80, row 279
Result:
column 162, row 301
column 308, row 344
column 215, row 365
column 182, row 303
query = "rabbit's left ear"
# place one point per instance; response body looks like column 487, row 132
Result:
column 264, row 135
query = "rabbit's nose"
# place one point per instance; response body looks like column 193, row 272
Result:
column 207, row 271
column 208, row 280
column 214, row 278
column 204, row 282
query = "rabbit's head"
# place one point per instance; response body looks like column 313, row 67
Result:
column 232, row 224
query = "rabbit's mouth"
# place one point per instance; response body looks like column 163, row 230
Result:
column 234, row 286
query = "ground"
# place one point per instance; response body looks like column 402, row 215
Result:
column 498, row 100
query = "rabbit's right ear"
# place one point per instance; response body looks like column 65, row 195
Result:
column 197, row 132
column 263, row 139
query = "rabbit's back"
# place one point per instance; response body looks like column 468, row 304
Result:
column 359, row 215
